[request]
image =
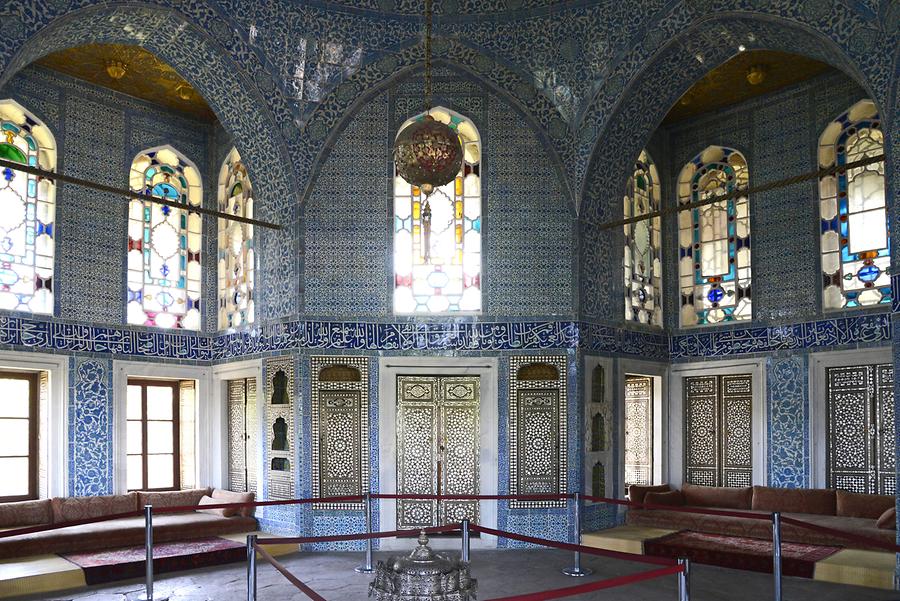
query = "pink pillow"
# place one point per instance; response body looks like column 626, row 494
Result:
column 888, row 519
column 225, row 512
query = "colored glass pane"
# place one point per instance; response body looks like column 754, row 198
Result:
column 855, row 233
column 714, row 239
column 642, row 262
column 437, row 241
column 236, row 254
column 27, row 222
column 164, row 269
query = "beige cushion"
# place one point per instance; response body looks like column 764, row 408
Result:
column 226, row 496
column 225, row 512
column 66, row 509
column 888, row 519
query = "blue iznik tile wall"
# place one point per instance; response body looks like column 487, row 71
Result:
column 90, row 427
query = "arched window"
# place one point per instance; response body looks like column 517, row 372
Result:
column 856, row 240
column 437, row 241
column 236, row 251
column 27, row 226
column 714, row 239
column 643, row 268
column 164, row 242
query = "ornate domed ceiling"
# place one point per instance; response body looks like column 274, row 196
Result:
column 446, row 7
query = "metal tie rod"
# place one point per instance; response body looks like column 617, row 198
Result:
column 60, row 177
column 781, row 183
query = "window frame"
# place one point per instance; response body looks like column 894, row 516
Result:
column 33, row 425
column 144, row 383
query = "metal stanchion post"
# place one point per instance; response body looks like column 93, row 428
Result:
column 465, row 541
column 148, row 543
column 684, row 580
column 251, row 567
column 577, row 570
column 367, row 567
column 776, row 553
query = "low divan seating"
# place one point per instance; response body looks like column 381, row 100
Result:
column 851, row 512
column 120, row 532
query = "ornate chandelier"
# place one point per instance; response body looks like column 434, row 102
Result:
column 427, row 153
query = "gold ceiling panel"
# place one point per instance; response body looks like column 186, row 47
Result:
column 729, row 83
column 140, row 74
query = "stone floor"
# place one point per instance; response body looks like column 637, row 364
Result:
column 499, row 574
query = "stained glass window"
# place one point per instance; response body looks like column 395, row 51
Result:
column 164, row 242
column 714, row 239
column 643, row 268
column 27, row 221
column 236, row 251
column 856, row 239
column 437, row 241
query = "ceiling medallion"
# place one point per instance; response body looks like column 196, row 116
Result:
column 428, row 153
column 184, row 91
column 756, row 74
column 116, row 69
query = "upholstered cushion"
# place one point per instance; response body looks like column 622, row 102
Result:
column 66, row 509
column 225, row 512
column 25, row 513
column 888, row 519
column 718, row 496
column 673, row 497
column 226, row 496
column 636, row 492
column 172, row 498
column 856, row 505
column 795, row 500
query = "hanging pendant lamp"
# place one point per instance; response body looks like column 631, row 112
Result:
column 427, row 153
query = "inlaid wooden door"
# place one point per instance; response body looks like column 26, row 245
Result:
column 438, row 428
column 242, row 429
column 860, row 428
column 718, row 430
column 638, row 430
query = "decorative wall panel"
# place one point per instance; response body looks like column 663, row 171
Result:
column 280, row 402
column 438, row 430
column 860, row 452
column 340, row 428
column 538, row 428
column 243, row 432
column 638, row 430
column 718, row 430
column 598, row 434
column 90, row 427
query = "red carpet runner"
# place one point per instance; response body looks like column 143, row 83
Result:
column 736, row 552
column 120, row 564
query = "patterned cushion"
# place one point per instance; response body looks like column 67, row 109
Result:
column 795, row 500
column 25, row 513
column 636, row 492
column 856, row 505
column 172, row 498
column 66, row 509
column 717, row 496
column 226, row 496
column 888, row 519
column 673, row 497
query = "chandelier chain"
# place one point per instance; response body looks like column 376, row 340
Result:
column 428, row 55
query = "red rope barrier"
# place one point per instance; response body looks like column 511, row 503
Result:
column 660, row 561
column 291, row 578
column 361, row 536
column 874, row 542
column 474, row 497
column 593, row 586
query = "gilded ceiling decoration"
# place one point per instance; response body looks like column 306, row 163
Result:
column 131, row 70
column 745, row 76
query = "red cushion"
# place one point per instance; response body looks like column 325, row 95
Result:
column 795, row 500
column 858, row 505
column 636, row 492
column 718, row 496
column 673, row 497
column 888, row 519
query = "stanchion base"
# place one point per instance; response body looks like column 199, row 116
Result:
column 363, row 570
column 577, row 572
column 155, row 598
